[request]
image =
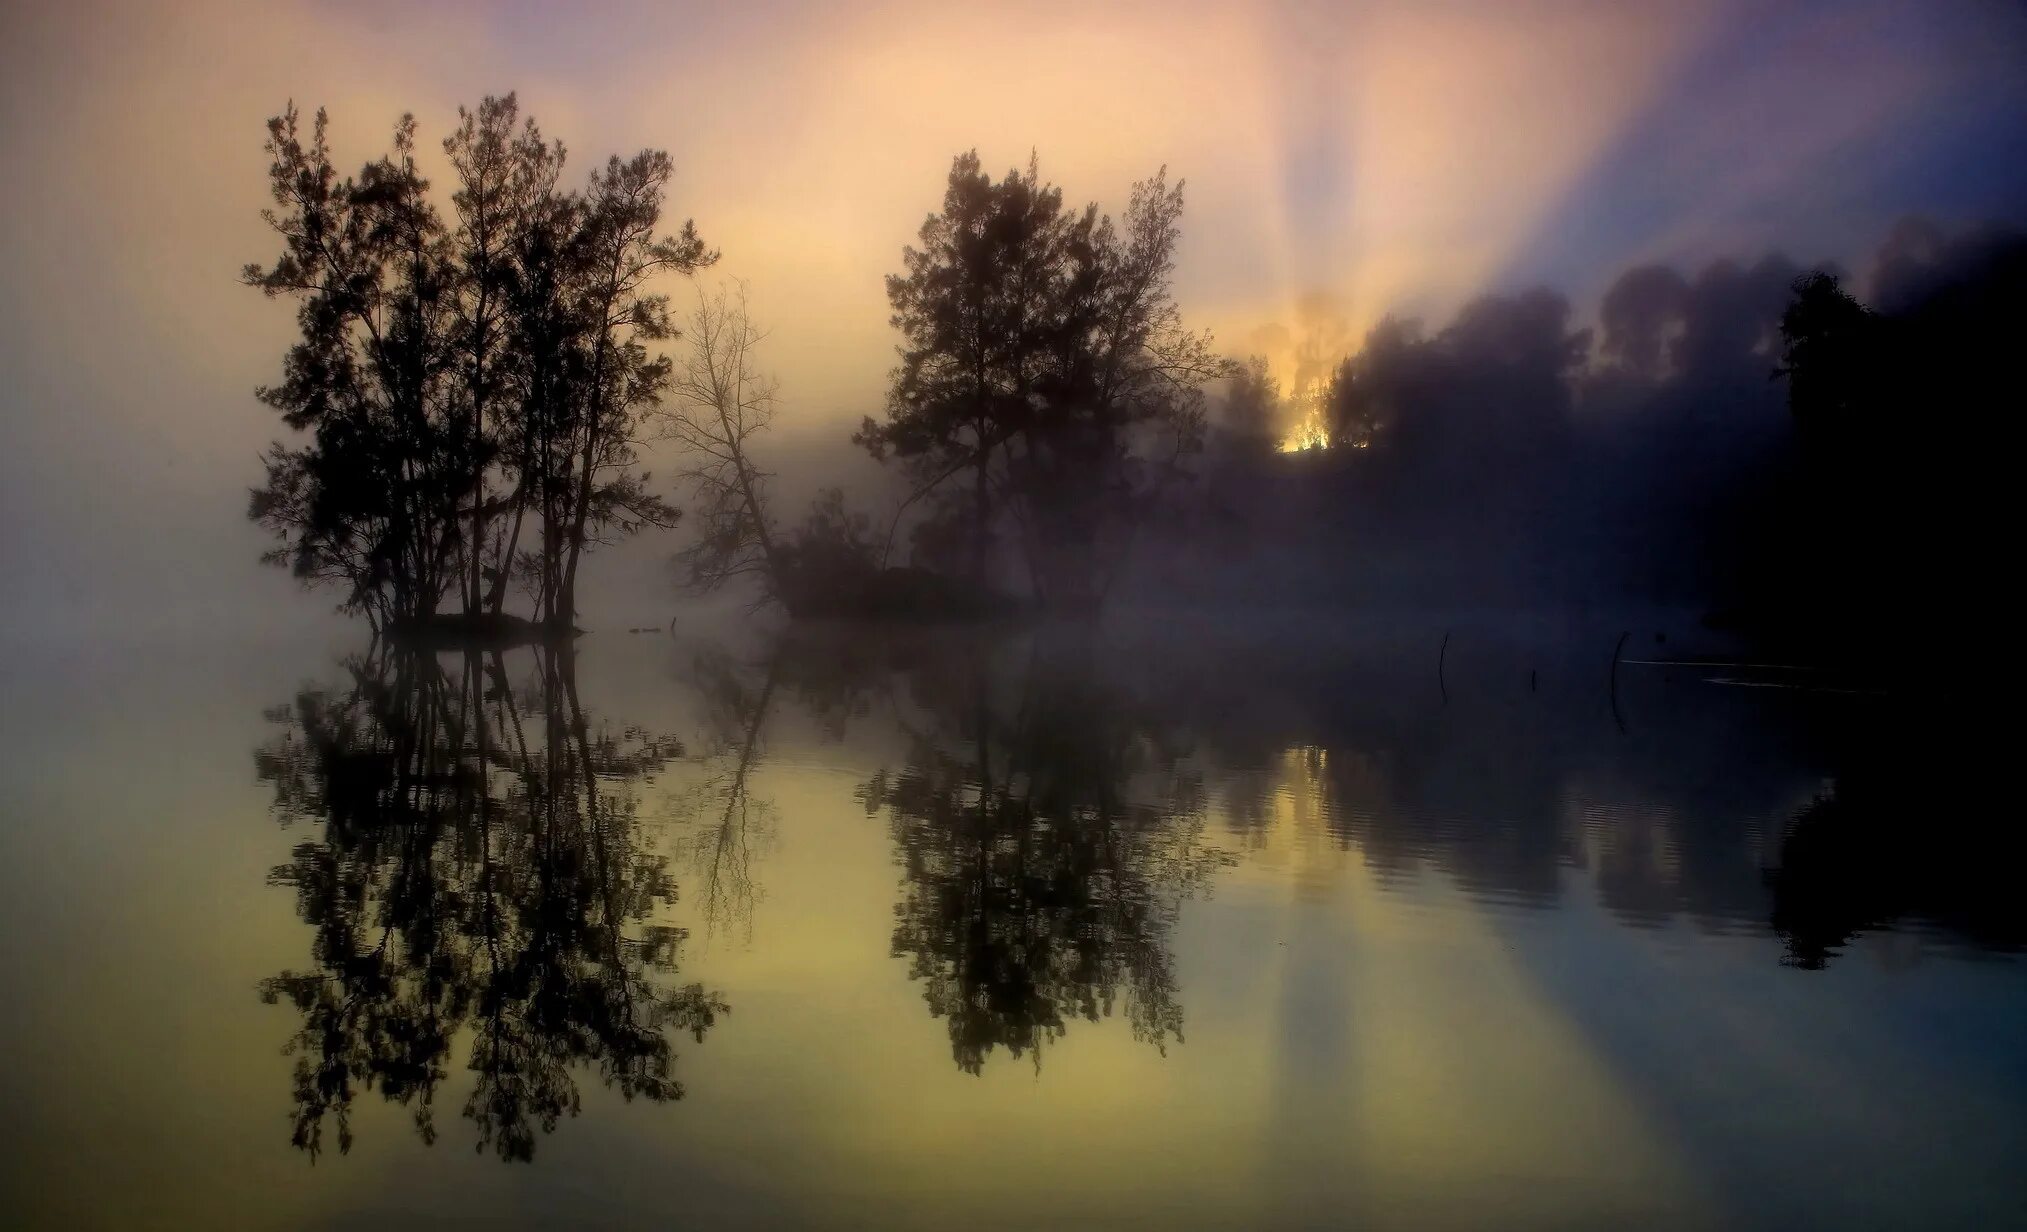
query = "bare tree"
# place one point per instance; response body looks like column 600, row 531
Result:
column 719, row 402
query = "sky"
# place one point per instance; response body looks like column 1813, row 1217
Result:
column 1342, row 161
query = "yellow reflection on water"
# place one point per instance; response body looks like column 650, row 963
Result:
column 1363, row 1036
column 1411, row 1048
column 1350, row 1045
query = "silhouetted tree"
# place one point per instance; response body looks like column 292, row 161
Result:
column 1371, row 391
column 1122, row 409
column 371, row 502
column 448, row 375
column 1830, row 357
column 619, row 253
column 976, row 310
column 1641, row 316
column 721, row 403
column 1042, row 357
column 506, row 187
column 1250, row 414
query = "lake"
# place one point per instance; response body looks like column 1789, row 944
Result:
column 1173, row 923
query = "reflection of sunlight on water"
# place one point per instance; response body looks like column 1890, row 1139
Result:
column 1389, row 981
column 1303, row 834
column 1411, row 1002
column 1291, row 836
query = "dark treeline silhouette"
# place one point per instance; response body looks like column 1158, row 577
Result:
column 1905, row 413
column 476, row 388
column 1512, row 456
column 473, row 869
column 1739, row 439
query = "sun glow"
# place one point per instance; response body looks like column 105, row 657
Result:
column 1308, row 433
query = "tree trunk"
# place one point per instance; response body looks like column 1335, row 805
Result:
column 981, row 514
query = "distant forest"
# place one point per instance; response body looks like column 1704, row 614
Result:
column 476, row 382
column 1747, row 439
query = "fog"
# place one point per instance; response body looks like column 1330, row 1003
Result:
column 1343, row 163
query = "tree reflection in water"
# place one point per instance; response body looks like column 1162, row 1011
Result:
column 1046, row 830
column 728, row 826
column 476, row 871
column 475, row 868
column 1893, row 844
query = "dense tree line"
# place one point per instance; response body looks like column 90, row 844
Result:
column 1903, row 411
column 475, row 388
column 1738, row 438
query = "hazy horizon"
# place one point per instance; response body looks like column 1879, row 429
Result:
column 1192, row 615
column 1342, row 163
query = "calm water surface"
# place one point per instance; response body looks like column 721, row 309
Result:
column 1158, row 926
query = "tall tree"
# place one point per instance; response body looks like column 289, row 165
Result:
column 973, row 309
column 1124, row 404
column 1043, row 357
column 620, row 254
column 506, row 179
column 371, row 500
column 1370, row 391
column 721, row 402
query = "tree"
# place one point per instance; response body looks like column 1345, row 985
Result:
column 973, row 311
column 721, row 402
column 371, row 501
column 1043, row 355
column 506, row 185
column 1250, row 414
column 1642, row 316
column 449, row 375
column 1124, row 404
column 1830, row 357
column 617, row 254
column 1372, row 390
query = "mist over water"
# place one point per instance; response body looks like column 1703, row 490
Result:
column 1388, row 158
column 1221, row 614
column 1212, row 923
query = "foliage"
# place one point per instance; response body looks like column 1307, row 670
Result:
column 456, row 380
column 1043, row 359
column 830, row 558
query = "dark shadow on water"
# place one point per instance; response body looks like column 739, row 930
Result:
column 1886, row 847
